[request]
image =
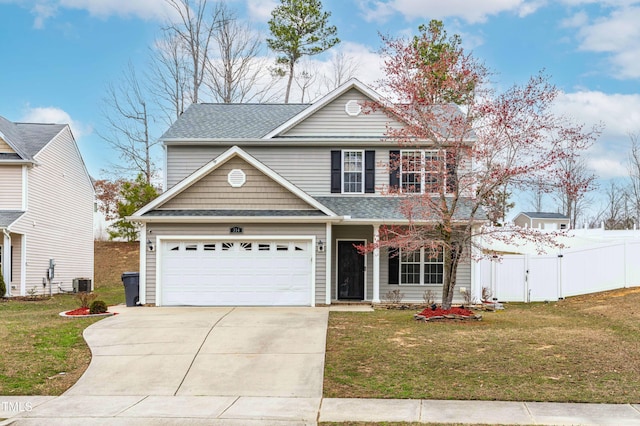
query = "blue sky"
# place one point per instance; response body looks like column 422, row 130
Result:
column 59, row 55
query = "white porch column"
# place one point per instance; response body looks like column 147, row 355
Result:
column 142, row 296
column 6, row 261
column 328, row 257
column 376, row 264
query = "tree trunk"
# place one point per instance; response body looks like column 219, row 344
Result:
column 286, row 96
column 451, row 261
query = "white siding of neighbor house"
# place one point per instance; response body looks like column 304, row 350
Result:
column 249, row 230
column 332, row 120
column 59, row 220
column 5, row 148
column 10, row 187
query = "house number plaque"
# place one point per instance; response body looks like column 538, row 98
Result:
column 235, row 230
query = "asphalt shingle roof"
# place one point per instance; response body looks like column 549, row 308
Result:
column 380, row 208
column 251, row 213
column 544, row 215
column 27, row 139
column 7, row 217
column 220, row 121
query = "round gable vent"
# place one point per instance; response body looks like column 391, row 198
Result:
column 236, row 178
column 353, row 108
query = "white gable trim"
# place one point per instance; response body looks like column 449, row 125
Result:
column 217, row 162
column 325, row 100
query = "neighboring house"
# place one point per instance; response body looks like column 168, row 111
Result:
column 46, row 209
column 542, row 220
column 264, row 204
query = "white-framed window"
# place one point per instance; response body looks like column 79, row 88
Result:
column 422, row 267
column 422, row 171
column 353, row 172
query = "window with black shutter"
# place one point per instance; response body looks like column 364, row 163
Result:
column 394, row 266
column 394, row 170
column 370, row 172
column 336, row 171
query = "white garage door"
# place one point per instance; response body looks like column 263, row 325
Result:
column 236, row 273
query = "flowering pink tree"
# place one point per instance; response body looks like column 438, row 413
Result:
column 461, row 144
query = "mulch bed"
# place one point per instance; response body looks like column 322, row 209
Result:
column 439, row 314
column 83, row 313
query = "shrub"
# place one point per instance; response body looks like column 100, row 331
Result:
column 3, row 287
column 98, row 307
column 393, row 296
column 428, row 297
column 85, row 298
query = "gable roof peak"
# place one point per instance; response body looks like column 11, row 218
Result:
column 352, row 83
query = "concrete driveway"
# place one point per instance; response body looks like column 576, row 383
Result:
column 265, row 352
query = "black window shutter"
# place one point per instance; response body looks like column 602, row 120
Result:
column 336, row 171
column 370, row 172
column 452, row 173
column 394, row 266
column 394, row 170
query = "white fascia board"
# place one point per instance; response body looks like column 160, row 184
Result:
column 18, row 162
column 238, row 219
column 217, row 162
column 328, row 98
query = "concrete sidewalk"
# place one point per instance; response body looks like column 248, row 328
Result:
column 213, row 410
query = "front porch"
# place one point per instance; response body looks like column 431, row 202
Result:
column 356, row 277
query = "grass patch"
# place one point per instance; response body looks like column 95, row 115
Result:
column 38, row 345
column 583, row 349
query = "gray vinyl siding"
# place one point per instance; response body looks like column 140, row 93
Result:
column 249, row 230
column 332, row 120
column 309, row 168
column 58, row 223
column 10, row 187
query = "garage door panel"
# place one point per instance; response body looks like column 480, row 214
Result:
column 236, row 273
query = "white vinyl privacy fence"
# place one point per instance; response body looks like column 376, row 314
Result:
column 537, row 278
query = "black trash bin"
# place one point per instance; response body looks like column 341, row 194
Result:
column 131, row 282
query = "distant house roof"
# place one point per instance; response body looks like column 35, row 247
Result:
column 219, row 121
column 26, row 139
column 544, row 215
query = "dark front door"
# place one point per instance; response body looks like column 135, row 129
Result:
column 350, row 271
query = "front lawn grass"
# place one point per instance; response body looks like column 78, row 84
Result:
column 583, row 349
column 43, row 353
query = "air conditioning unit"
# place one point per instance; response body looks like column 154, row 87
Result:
column 82, row 284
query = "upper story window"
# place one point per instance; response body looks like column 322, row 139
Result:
column 421, row 171
column 352, row 172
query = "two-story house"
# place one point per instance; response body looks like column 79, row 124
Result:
column 46, row 209
column 265, row 204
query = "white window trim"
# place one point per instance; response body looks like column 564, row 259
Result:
column 342, row 171
column 422, row 171
column 423, row 262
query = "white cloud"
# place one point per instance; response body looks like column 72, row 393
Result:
column 578, row 20
column 260, row 10
column 616, row 34
column 476, row 11
column 144, row 9
column 620, row 114
column 56, row 116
